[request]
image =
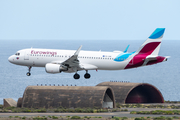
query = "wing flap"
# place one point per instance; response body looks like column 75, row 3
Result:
column 88, row 67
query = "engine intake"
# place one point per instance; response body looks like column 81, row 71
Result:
column 55, row 68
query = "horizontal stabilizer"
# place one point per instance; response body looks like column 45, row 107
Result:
column 167, row 56
column 151, row 58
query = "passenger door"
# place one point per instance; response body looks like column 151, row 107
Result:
column 26, row 54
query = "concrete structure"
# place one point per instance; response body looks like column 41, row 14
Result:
column 68, row 96
column 134, row 92
column 104, row 95
column 9, row 102
column 19, row 103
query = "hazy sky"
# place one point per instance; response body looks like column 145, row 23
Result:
column 88, row 19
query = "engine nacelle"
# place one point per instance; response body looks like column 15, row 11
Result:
column 54, row 68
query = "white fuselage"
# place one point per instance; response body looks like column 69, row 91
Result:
column 40, row 57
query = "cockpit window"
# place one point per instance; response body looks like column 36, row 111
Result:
column 17, row 54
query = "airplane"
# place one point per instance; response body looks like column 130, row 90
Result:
column 57, row 61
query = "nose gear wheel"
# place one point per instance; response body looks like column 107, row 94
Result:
column 29, row 69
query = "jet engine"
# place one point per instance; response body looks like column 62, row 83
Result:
column 55, row 68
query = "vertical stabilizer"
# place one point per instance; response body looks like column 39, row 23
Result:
column 152, row 45
column 149, row 50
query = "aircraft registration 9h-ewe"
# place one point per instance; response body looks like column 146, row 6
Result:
column 57, row 61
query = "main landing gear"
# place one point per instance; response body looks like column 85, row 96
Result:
column 76, row 76
column 86, row 76
column 29, row 69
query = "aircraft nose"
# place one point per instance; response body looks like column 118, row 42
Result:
column 10, row 59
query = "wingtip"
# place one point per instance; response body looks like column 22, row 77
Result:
column 78, row 50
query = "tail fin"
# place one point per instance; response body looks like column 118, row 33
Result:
column 152, row 45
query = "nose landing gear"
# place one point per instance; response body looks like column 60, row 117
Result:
column 28, row 73
column 29, row 69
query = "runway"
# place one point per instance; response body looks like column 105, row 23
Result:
column 105, row 115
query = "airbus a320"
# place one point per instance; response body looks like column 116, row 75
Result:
column 57, row 61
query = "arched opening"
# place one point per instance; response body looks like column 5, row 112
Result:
column 108, row 100
column 144, row 94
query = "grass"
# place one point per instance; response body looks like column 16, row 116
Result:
column 146, row 106
column 58, row 110
column 85, row 110
column 158, row 112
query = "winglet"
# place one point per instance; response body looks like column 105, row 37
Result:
column 78, row 50
column 126, row 49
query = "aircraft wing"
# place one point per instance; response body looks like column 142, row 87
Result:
column 73, row 60
column 74, row 63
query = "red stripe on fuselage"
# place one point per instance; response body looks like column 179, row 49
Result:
column 138, row 59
